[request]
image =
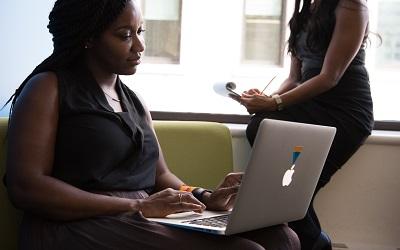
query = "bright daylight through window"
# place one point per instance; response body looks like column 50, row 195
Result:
column 191, row 45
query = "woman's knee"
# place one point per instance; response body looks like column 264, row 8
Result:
column 277, row 237
column 242, row 243
column 292, row 238
column 283, row 237
column 252, row 128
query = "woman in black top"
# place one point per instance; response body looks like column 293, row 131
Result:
column 83, row 161
column 327, row 85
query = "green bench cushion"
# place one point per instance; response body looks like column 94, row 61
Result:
column 200, row 153
column 9, row 216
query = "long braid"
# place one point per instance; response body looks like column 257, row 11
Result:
column 319, row 24
column 297, row 22
column 322, row 24
column 72, row 23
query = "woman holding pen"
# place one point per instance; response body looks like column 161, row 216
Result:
column 328, row 84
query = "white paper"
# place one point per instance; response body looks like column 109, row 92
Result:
column 227, row 89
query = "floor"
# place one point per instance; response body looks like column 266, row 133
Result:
column 360, row 246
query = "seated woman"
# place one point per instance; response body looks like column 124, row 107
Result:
column 328, row 84
column 83, row 161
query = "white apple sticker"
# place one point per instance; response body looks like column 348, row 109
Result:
column 288, row 176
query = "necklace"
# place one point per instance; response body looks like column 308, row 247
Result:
column 112, row 98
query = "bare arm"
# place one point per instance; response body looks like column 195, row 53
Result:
column 294, row 77
column 348, row 35
column 164, row 177
column 289, row 83
column 221, row 199
column 31, row 140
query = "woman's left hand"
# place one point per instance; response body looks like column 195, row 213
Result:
column 223, row 197
column 256, row 102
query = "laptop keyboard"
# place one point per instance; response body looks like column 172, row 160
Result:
column 217, row 221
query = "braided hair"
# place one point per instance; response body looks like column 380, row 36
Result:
column 319, row 24
column 72, row 23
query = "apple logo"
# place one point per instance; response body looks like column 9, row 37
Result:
column 288, row 176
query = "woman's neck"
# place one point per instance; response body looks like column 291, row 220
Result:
column 100, row 73
column 105, row 79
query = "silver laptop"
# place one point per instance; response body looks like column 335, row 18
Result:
column 279, row 180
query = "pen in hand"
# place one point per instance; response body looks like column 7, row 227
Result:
column 262, row 92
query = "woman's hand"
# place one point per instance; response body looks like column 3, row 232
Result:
column 255, row 101
column 223, row 197
column 252, row 92
column 169, row 201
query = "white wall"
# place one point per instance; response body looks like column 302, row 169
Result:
column 25, row 42
column 360, row 206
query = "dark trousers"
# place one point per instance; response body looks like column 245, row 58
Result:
column 347, row 140
column 130, row 231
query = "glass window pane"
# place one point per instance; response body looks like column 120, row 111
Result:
column 263, row 31
column 384, row 68
column 272, row 8
column 263, row 42
column 389, row 28
column 163, row 30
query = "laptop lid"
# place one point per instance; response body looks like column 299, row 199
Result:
column 284, row 167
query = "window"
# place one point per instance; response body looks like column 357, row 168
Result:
column 246, row 45
column 388, row 26
column 163, row 30
column 191, row 45
column 263, row 31
column 219, row 41
column 383, row 58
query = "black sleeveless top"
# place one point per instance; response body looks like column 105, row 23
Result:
column 96, row 148
column 350, row 100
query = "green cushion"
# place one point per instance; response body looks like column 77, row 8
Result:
column 9, row 216
column 200, row 153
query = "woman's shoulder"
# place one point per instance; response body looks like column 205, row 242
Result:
column 43, row 83
column 46, row 77
column 354, row 4
column 39, row 95
column 137, row 100
column 131, row 93
column 353, row 11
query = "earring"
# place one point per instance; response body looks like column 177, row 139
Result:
column 86, row 46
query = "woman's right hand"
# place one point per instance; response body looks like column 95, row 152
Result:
column 252, row 92
column 169, row 201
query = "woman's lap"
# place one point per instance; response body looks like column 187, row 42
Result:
column 135, row 232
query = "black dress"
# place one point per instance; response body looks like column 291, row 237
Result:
column 115, row 154
column 347, row 106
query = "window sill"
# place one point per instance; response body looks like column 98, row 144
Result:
column 385, row 132
column 380, row 137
